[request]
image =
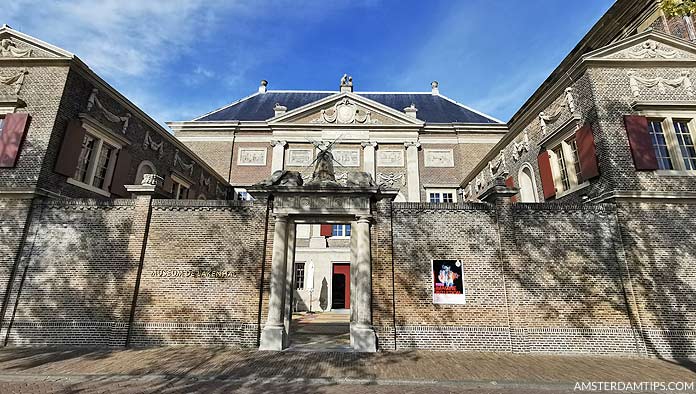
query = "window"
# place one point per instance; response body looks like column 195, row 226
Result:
column 340, row 230
column 299, row 276
column 442, row 195
column 673, row 142
column 242, row 195
column 145, row 167
column 565, row 164
column 96, row 163
column 2, row 122
column 664, row 161
column 180, row 188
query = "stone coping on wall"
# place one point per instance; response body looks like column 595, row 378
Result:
column 86, row 203
column 443, row 206
column 171, row 204
column 559, row 206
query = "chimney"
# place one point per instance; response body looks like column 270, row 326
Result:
column 262, row 87
column 411, row 111
column 346, row 83
column 435, row 86
column 279, row 109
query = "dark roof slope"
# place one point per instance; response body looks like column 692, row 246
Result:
column 431, row 108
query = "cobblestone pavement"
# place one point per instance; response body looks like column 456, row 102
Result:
column 221, row 370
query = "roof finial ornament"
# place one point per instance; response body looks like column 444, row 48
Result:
column 346, row 83
column 435, row 85
column 262, row 87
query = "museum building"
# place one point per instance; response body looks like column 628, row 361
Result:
column 426, row 223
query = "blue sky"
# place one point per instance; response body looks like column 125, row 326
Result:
column 180, row 59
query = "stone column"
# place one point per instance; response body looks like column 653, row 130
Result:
column 369, row 158
column 412, row 172
column 278, row 160
column 273, row 334
column 353, row 278
column 362, row 333
column 289, row 289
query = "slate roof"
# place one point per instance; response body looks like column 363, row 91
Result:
column 431, row 108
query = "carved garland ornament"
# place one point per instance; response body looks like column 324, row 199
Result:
column 16, row 80
column 186, row 166
column 651, row 50
column 391, row 180
column 149, row 143
column 569, row 104
column 9, row 49
column 203, row 181
column 94, row 101
column 345, row 112
column 637, row 82
column 520, row 147
column 498, row 164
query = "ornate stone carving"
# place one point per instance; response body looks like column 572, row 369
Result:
column 347, row 157
column 520, row 147
column 391, row 180
column 219, row 191
column 438, row 158
column 184, row 165
column 16, row 80
column 479, row 182
column 308, row 202
column 204, row 181
column 360, row 179
column 9, row 49
column 652, row 50
column 252, row 157
column 637, row 82
column 570, row 100
column 283, row 178
column 152, row 179
column 149, row 143
column 498, row 164
column 93, row 101
column 345, row 112
column 300, row 157
column 390, row 158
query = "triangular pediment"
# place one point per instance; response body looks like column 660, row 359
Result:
column 344, row 109
column 15, row 45
column 648, row 46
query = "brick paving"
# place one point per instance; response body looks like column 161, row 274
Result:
column 199, row 369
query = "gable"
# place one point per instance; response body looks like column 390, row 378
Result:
column 650, row 46
column 346, row 109
column 15, row 45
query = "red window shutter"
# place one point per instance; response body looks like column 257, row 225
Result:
column 640, row 142
column 546, row 175
column 121, row 173
column 70, row 149
column 14, row 128
column 326, row 230
column 509, row 182
column 587, row 152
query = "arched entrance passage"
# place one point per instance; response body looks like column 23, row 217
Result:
column 292, row 205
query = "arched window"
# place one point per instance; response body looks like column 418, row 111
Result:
column 527, row 184
column 145, row 167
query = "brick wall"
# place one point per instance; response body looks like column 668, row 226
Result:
column 13, row 218
column 201, row 274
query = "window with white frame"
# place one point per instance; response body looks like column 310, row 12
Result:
column 242, row 194
column 340, row 230
column 442, row 195
column 180, row 188
column 299, row 276
column 565, row 165
column 673, row 142
column 96, row 163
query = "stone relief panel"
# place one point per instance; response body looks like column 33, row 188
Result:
column 347, row 157
column 252, row 157
column 14, row 48
column 390, row 158
column 651, row 49
column 299, row 157
column 645, row 81
column 13, row 80
column 438, row 157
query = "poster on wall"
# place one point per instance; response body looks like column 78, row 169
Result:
column 448, row 282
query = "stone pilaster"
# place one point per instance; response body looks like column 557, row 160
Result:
column 412, row 171
column 363, row 337
column 278, row 159
column 273, row 334
column 369, row 158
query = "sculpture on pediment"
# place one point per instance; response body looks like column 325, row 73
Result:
column 345, row 112
column 651, row 50
column 519, row 147
column 9, row 49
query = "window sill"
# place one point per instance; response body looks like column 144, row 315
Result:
column 339, row 237
column 88, row 187
column 572, row 190
column 675, row 172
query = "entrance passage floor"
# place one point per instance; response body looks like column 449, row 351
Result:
column 195, row 369
column 321, row 331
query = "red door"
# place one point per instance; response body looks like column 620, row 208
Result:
column 340, row 292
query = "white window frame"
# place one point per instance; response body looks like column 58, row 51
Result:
column 140, row 168
column 343, row 231
column 667, row 121
column 304, row 275
column 178, row 182
column 241, row 194
column 535, row 195
column 439, row 191
column 563, row 140
column 100, row 138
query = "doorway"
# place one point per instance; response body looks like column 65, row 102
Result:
column 340, row 286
